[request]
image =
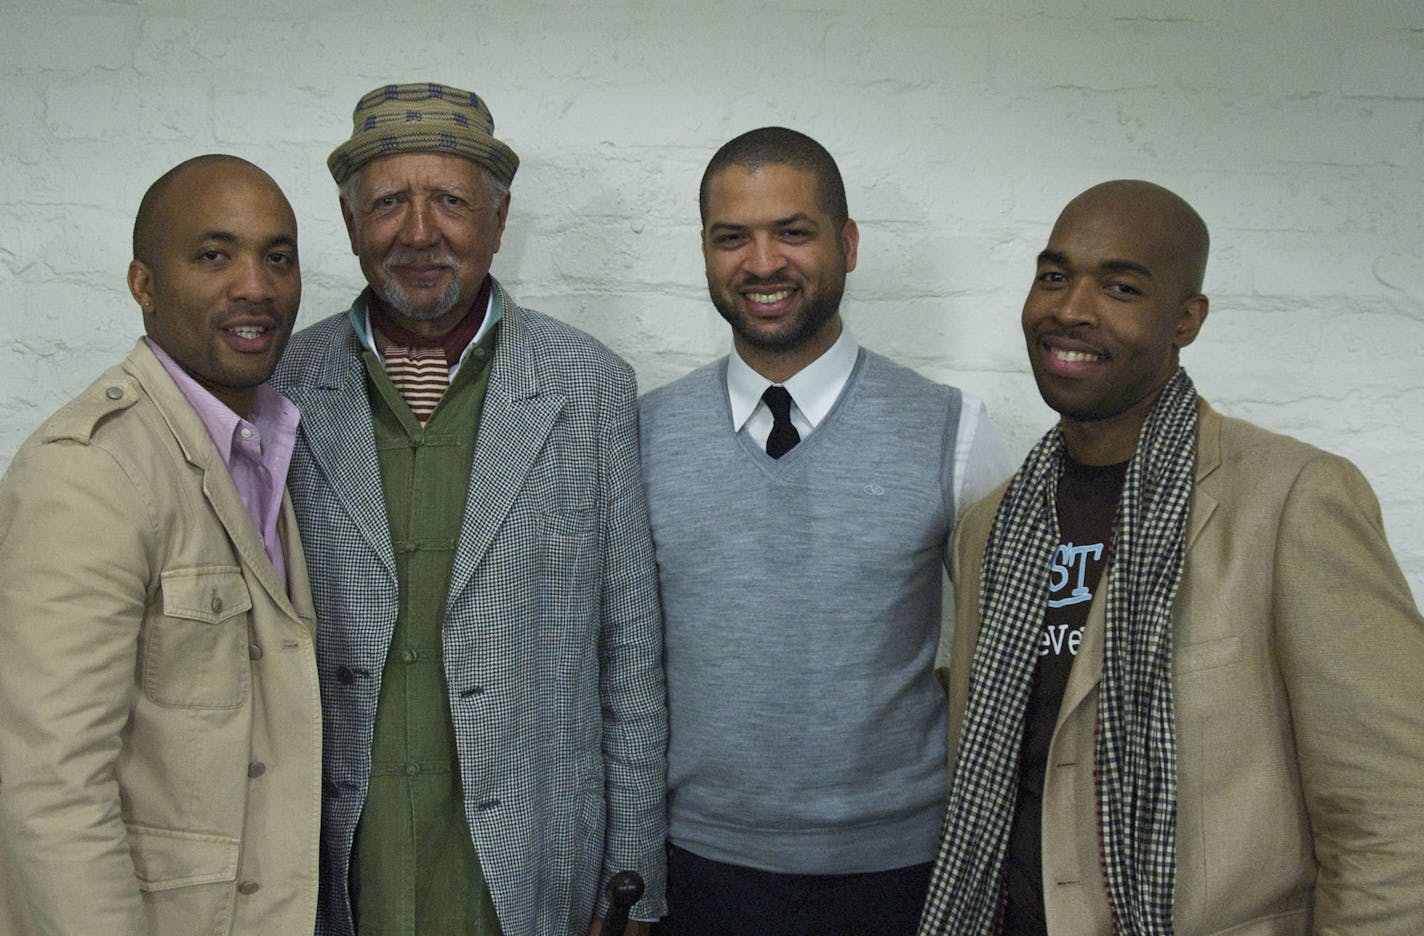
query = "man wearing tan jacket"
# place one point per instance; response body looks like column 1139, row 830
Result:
column 160, row 727
column 1187, row 694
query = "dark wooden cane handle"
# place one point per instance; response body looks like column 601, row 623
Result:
column 623, row 891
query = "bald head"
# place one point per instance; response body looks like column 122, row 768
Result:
column 215, row 272
column 1116, row 296
column 1160, row 219
column 155, row 208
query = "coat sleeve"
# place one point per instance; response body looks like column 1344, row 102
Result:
column 74, row 531
column 631, row 672
column 1351, row 645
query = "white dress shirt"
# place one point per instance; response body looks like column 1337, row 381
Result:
column 980, row 459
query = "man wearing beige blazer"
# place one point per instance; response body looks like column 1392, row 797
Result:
column 1187, row 695
column 160, row 727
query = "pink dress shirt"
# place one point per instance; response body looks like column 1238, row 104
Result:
column 257, row 453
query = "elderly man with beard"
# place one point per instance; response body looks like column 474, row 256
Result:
column 802, row 493
column 467, row 475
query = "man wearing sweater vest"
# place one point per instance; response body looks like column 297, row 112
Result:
column 1186, row 686
column 490, row 650
column 802, row 492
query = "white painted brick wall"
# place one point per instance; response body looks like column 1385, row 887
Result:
column 1295, row 127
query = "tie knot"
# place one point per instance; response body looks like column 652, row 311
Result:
column 783, row 435
column 778, row 401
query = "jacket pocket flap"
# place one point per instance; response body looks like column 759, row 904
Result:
column 166, row 858
column 1208, row 654
column 205, row 593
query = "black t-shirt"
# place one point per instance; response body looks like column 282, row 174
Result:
column 1088, row 498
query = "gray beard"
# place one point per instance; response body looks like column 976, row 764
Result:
column 400, row 303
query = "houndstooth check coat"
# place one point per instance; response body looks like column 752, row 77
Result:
column 552, row 634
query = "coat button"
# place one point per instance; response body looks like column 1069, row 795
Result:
column 344, row 675
column 256, row 769
column 114, row 393
column 248, row 888
column 217, row 603
column 254, row 652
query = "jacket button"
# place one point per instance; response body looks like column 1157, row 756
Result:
column 254, row 652
column 256, row 769
column 217, row 603
column 248, row 888
column 344, row 675
column 114, row 393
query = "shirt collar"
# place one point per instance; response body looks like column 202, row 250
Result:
column 814, row 388
column 270, row 410
column 360, row 318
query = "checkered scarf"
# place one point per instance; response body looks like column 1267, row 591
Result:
column 1136, row 765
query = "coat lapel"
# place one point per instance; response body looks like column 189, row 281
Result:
column 514, row 427
column 1203, row 505
column 1087, row 670
column 197, row 446
column 337, row 425
column 298, row 583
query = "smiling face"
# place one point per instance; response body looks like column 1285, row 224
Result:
column 776, row 264
column 426, row 227
column 219, row 282
column 1115, row 297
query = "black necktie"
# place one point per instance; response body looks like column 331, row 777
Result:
column 783, row 435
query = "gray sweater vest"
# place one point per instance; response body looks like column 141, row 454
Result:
column 802, row 599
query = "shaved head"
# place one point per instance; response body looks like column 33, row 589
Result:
column 1116, row 296
column 216, row 275
column 1155, row 215
column 153, row 210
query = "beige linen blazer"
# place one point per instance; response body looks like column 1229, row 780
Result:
column 160, row 725
column 1298, row 678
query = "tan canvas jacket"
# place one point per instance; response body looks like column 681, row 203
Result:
column 160, row 726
